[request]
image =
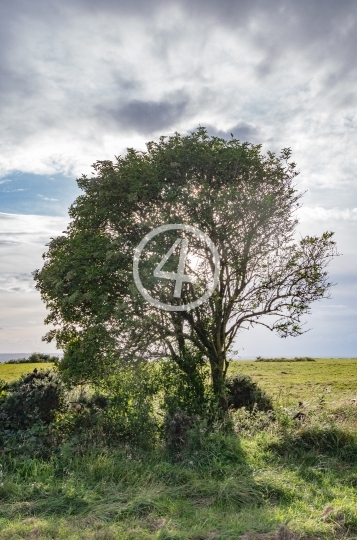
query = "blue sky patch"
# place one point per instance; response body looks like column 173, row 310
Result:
column 48, row 195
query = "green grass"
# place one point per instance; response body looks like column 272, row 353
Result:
column 332, row 379
column 11, row 372
column 298, row 478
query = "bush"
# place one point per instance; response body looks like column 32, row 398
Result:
column 176, row 428
column 253, row 422
column 242, row 391
column 201, row 442
column 296, row 359
column 185, row 391
column 32, row 399
column 82, row 424
column 35, row 358
column 39, row 413
column 129, row 415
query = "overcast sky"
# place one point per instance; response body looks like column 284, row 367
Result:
column 82, row 81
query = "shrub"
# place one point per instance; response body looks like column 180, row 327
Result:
column 185, row 391
column 296, row 359
column 39, row 413
column 32, row 399
column 176, row 428
column 82, row 424
column 129, row 414
column 242, row 391
column 34, row 358
column 253, row 422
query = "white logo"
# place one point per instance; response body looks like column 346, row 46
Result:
column 179, row 277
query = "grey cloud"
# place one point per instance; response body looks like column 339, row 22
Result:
column 12, row 233
column 222, row 10
column 15, row 85
column 324, row 26
column 16, row 282
column 286, row 22
column 144, row 116
column 242, row 131
column 122, row 83
column 324, row 29
column 325, row 32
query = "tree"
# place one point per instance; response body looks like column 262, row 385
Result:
column 245, row 202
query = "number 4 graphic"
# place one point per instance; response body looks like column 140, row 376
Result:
column 179, row 277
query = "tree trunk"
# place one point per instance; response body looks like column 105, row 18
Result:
column 218, row 381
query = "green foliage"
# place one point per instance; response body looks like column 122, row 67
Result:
column 323, row 439
column 33, row 399
column 296, row 359
column 89, row 344
column 242, row 391
column 185, row 387
column 34, row 358
column 129, row 415
column 252, row 422
column 28, row 408
column 38, row 413
column 37, row 441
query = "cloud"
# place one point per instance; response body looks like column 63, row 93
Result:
column 145, row 116
column 328, row 214
column 341, row 306
column 45, row 198
column 23, row 239
column 16, row 283
column 241, row 131
column 13, row 190
column 30, row 229
column 96, row 78
column 20, row 341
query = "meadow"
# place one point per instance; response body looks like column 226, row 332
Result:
column 287, row 475
column 11, row 372
column 332, row 380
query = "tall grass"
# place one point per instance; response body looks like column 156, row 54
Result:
column 265, row 475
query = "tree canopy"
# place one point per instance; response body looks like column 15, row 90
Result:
column 244, row 201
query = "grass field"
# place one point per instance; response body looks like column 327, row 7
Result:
column 11, row 372
column 334, row 380
column 281, row 479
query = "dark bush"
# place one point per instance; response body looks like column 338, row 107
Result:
column 86, row 412
column 176, row 428
column 242, row 391
column 32, row 399
column 296, row 359
column 34, row 358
